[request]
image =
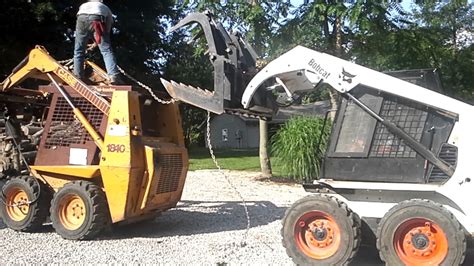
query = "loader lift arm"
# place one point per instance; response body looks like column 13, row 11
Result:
column 38, row 64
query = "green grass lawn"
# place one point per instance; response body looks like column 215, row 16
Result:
column 229, row 159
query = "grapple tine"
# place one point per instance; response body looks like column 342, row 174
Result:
column 233, row 61
column 204, row 21
column 191, row 18
column 204, row 99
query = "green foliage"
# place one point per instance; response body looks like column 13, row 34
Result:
column 138, row 40
column 447, row 21
column 316, row 24
column 25, row 24
column 295, row 147
column 258, row 20
column 428, row 37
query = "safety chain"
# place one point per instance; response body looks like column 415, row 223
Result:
column 15, row 205
column 62, row 62
column 243, row 243
column 3, row 199
column 146, row 88
column 150, row 90
column 211, row 151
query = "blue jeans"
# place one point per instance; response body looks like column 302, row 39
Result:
column 84, row 33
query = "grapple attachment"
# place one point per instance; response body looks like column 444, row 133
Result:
column 234, row 62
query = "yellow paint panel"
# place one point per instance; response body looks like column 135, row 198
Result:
column 122, row 160
column 89, row 171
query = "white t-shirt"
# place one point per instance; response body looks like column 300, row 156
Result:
column 97, row 8
column 94, row 8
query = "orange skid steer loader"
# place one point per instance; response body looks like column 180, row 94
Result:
column 102, row 154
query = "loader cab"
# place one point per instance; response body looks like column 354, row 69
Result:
column 362, row 149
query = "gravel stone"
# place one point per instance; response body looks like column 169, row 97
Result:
column 206, row 228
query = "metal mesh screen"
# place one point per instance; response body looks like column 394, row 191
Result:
column 65, row 129
column 410, row 119
column 449, row 154
column 171, row 167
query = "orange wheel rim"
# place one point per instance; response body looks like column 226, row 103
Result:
column 419, row 241
column 72, row 212
column 17, row 204
column 317, row 235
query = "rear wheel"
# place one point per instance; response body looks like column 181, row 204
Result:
column 321, row 230
column 79, row 211
column 25, row 203
column 421, row 232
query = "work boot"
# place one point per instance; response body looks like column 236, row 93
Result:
column 116, row 80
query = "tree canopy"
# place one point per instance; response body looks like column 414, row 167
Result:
column 383, row 35
column 138, row 39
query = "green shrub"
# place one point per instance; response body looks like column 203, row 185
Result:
column 294, row 147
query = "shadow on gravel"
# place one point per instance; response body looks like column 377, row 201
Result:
column 369, row 256
column 198, row 217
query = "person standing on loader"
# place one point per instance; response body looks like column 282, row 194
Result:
column 94, row 21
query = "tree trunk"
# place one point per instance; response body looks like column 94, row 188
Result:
column 334, row 96
column 338, row 43
column 265, row 164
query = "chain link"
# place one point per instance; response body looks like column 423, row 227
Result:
column 16, row 205
column 62, row 62
column 211, row 151
column 150, row 90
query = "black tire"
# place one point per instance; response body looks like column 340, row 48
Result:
column 341, row 227
column 421, row 231
column 92, row 215
column 25, row 218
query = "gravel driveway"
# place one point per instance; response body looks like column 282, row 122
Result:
column 206, row 228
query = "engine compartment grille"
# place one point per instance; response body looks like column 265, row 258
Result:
column 449, row 154
column 170, row 167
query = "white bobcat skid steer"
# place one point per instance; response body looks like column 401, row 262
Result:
column 399, row 160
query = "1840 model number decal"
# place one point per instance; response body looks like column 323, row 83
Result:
column 120, row 148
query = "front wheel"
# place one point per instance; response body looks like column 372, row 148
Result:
column 321, row 230
column 420, row 232
column 79, row 211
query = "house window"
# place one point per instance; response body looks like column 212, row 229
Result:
column 225, row 136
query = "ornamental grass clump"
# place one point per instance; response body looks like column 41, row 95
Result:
column 295, row 147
